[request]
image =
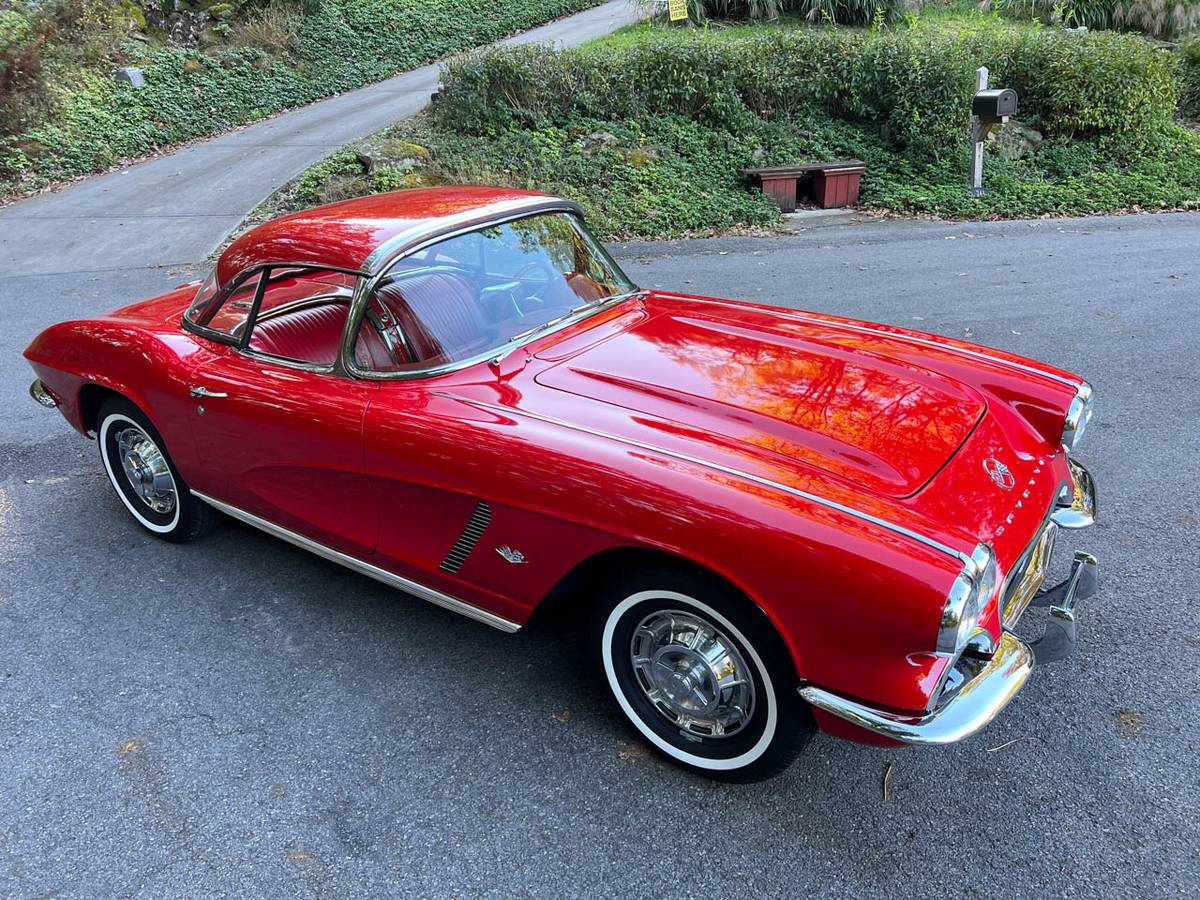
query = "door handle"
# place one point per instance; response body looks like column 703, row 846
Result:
column 201, row 391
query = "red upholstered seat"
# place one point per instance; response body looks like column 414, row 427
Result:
column 311, row 334
column 439, row 314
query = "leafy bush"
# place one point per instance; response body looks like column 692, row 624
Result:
column 1155, row 18
column 23, row 91
column 915, row 83
column 1189, row 79
column 337, row 46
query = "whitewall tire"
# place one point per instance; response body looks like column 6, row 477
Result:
column 144, row 477
column 701, row 675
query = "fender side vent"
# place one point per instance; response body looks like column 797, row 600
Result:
column 476, row 525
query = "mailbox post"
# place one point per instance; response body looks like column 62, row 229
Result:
column 988, row 108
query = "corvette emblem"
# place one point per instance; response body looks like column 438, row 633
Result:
column 513, row 556
column 999, row 473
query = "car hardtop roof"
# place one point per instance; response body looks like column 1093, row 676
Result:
column 366, row 232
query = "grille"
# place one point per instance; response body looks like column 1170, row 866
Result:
column 476, row 525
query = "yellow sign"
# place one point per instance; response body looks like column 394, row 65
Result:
column 677, row 10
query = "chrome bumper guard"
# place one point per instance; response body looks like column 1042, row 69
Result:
column 1061, row 629
column 38, row 392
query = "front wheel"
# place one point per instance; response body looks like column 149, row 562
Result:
column 146, row 481
column 702, row 675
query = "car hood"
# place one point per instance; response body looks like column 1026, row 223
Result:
column 738, row 379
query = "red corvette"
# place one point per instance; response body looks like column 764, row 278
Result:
column 777, row 520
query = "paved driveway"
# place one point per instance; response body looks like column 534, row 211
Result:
column 236, row 717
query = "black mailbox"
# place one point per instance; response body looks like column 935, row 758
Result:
column 995, row 104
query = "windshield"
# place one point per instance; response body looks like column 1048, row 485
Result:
column 483, row 291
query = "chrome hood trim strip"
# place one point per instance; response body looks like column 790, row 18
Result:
column 736, row 473
column 364, row 568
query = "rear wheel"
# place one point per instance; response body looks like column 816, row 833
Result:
column 146, row 481
column 701, row 674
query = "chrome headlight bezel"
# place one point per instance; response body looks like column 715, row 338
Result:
column 968, row 596
column 1078, row 415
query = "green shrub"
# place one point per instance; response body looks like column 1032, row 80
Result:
column 23, row 92
column 915, row 83
column 1189, row 79
column 1154, row 18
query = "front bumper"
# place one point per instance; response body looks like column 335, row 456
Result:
column 985, row 686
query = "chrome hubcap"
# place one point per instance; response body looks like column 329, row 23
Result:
column 146, row 469
column 692, row 673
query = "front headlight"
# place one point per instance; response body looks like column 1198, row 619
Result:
column 968, row 595
column 1077, row 416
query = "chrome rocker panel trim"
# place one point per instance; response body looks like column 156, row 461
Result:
column 1084, row 505
column 973, row 707
column 364, row 568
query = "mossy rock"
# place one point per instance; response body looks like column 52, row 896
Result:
column 393, row 150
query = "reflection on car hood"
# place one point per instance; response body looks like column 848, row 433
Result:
column 741, row 379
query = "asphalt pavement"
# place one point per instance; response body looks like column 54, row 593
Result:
column 235, row 717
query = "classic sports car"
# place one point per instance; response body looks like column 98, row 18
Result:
column 776, row 520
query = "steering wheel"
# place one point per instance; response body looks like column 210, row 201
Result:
column 535, row 298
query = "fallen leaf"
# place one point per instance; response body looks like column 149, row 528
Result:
column 1186, row 520
column 126, row 748
column 630, row 752
column 564, row 717
column 1131, row 722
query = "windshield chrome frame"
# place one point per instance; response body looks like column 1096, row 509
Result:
column 385, row 258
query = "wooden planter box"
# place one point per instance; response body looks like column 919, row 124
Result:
column 837, row 187
column 830, row 184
